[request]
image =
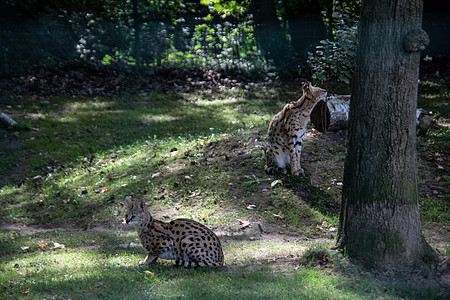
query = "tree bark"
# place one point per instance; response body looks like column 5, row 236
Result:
column 380, row 222
column 305, row 24
column 268, row 32
column 137, row 32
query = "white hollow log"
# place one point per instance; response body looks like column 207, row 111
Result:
column 332, row 115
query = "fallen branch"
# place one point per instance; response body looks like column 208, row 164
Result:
column 7, row 121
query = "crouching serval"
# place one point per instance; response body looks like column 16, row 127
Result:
column 188, row 242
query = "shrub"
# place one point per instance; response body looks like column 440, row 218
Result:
column 334, row 59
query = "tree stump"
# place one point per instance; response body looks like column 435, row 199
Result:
column 331, row 115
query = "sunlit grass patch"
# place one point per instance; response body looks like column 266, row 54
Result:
column 68, row 272
column 260, row 251
column 88, row 268
column 87, row 154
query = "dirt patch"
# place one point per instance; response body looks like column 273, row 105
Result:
column 322, row 158
column 25, row 230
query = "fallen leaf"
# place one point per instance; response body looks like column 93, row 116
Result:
column 243, row 223
column 203, row 216
column 323, row 226
column 275, row 183
column 151, row 274
column 119, row 176
column 25, row 291
column 104, row 190
column 279, row 215
column 42, row 246
column 196, row 193
column 57, row 246
column 323, row 260
column 134, row 245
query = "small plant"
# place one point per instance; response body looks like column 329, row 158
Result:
column 334, row 59
column 253, row 179
column 319, row 254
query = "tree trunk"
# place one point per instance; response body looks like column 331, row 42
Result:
column 137, row 32
column 268, row 32
column 380, row 222
column 305, row 25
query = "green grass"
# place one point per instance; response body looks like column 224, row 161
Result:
column 199, row 156
column 99, row 265
column 87, row 153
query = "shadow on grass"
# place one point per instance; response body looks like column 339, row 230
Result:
column 94, row 275
column 316, row 197
column 76, row 142
column 96, row 265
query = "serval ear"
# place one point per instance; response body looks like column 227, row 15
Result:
column 307, row 86
column 129, row 200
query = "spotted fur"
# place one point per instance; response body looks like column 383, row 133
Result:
column 189, row 243
column 286, row 131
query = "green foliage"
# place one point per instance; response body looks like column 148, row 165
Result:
column 334, row 59
column 224, row 45
column 211, row 33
